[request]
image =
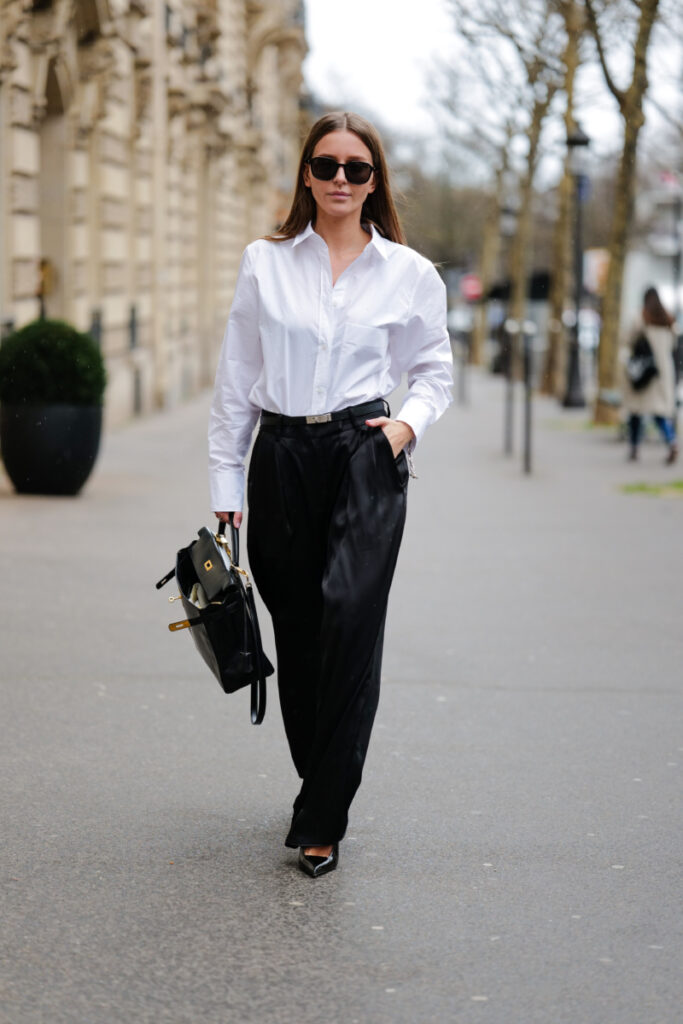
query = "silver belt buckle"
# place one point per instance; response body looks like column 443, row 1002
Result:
column 325, row 417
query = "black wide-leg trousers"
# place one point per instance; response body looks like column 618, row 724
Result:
column 327, row 506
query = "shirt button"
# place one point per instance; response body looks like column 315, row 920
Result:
column 337, row 301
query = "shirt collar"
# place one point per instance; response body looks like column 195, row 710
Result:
column 303, row 235
column 379, row 242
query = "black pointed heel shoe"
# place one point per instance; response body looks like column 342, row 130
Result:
column 317, row 866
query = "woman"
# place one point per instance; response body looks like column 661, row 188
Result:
column 327, row 315
column 658, row 398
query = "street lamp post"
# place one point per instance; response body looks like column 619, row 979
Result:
column 511, row 330
column 577, row 142
column 508, row 333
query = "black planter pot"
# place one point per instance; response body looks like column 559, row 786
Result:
column 49, row 449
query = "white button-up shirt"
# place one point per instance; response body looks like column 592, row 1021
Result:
column 298, row 345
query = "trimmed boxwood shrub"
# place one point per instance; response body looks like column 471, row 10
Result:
column 49, row 362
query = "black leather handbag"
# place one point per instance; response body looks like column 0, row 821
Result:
column 218, row 599
column 641, row 367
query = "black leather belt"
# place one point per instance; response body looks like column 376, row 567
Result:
column 376, row 408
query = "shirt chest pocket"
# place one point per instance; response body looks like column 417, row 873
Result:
column 363, row 344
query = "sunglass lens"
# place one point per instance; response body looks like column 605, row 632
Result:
column 323, row 168
column 357, row 172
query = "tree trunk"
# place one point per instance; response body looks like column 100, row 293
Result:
column 555, row 358
column 611, row 303
column 519, row 251
column 631, row 106
column 488, row 258
column 552, row 382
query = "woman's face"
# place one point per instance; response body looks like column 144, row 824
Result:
column 338, row 198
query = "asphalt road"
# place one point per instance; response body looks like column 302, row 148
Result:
column 514, row 853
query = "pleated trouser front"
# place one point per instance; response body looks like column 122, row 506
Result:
column 327, row 506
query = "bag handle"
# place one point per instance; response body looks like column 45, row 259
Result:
column 234, row 538
column 164, row 580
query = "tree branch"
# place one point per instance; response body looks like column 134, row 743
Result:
column 618, row 93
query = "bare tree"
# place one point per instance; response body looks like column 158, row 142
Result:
column 480, row 132
column 517, row 48
column 630, row 103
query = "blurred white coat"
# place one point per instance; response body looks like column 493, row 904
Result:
column 658, row 398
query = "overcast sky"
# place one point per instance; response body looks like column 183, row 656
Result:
column 376, row 53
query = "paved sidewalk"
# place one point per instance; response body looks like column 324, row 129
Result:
column 514, row 853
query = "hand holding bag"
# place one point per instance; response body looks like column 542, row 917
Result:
column 218, row 598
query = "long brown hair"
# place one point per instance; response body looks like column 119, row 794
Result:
column 654, row 313
column 378, row 208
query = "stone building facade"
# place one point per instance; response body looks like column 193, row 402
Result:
column 143, row 144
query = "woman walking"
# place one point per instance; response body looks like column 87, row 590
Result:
column 329, row 313
column 658, row 398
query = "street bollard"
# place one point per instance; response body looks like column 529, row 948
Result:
column 459, row 350
column 511, row 331
column 462, row 367
column 528, row 332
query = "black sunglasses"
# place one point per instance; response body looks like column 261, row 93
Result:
column 324, row 168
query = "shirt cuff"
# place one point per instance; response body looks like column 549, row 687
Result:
column 417, row 414
column 227, row 490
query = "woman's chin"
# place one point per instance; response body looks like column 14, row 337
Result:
column 335, row 207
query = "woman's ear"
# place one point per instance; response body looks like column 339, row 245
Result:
column 307, row 176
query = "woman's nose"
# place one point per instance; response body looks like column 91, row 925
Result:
column 341, row 174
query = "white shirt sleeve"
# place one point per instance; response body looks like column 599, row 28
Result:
column 233, row 417
column 424, row 352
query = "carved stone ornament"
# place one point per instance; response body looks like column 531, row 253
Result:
column 96, row 60
column 50, row 25
column 270, row 27
column 10, row 23
column 143, row 95
column 91, row 107
column 142, row 43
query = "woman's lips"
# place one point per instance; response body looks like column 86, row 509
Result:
column 340, row 195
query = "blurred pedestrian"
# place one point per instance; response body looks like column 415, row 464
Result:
column 657, row 398
column 328, row 314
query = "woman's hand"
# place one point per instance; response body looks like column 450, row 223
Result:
column 397, row 432
column 225, row 518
